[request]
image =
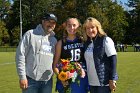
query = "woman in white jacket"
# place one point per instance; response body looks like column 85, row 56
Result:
column 101, row 58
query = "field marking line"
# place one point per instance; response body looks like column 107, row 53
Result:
column 7, row 63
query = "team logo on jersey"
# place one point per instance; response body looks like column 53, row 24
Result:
column 73, row 46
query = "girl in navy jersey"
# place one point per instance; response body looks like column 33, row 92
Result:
column 71, row 47
column 100, row 56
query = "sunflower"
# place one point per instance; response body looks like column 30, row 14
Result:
column 63, row 76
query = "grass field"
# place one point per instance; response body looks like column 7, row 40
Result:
column 128, row 70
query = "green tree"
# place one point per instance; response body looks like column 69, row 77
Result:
column 134, row 20
column 15, row 34
column 117, row 21
column 112, row 17
column 32, row 11
column 110, row 14
column 4, row 8
column 4, row 36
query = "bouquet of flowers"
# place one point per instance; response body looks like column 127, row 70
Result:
column 70, row 71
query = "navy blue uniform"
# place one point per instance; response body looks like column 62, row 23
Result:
column 74, row 51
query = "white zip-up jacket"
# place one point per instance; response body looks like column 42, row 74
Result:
column 34, row 55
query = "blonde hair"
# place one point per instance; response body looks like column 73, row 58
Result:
column 95, row 22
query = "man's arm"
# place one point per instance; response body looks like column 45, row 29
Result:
column 21, row 53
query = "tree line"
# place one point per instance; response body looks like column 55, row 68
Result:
column 122, row 25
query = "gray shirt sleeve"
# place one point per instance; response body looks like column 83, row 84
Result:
column 21, row 53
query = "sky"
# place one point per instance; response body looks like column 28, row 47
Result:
column 123, row 3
